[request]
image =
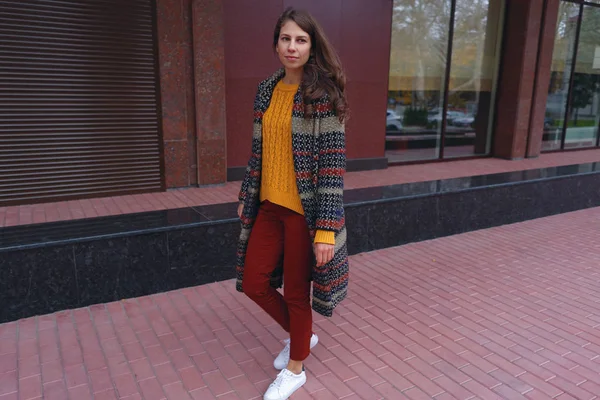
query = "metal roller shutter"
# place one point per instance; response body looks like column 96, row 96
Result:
column 78, row 100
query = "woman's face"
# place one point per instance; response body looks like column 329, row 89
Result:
column 293, row 46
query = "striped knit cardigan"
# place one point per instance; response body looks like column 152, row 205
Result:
column 319, row 152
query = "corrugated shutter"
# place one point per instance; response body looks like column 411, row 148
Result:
column 78, row 99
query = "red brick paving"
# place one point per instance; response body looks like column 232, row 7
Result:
column 506, row 313
column 76, row 209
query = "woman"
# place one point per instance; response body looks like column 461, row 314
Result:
column 291, row 199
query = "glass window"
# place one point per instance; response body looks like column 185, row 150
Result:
column 418, row 69
column 475, row 55
column 416, row 84
column 584, row 113
column 562, row 60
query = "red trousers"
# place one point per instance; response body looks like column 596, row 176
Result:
column 279, row 232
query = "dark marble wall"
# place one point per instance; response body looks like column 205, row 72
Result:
column 174, row 28
column 398, row 222
column 55, row 266
column 43, row 280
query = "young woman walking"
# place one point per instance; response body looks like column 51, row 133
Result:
column 291, row 199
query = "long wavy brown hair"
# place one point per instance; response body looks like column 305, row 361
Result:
column 323, row 73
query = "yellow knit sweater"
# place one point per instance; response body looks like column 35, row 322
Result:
column 278, row 178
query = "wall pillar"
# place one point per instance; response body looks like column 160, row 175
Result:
column 542, row 81
column 174, row 36
column 518, row 71
column 209, row 79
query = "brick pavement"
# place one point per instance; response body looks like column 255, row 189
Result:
column 117, row 205
column 506, row 313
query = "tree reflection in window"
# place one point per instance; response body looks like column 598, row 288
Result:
column 584, row 113
column 418, row 69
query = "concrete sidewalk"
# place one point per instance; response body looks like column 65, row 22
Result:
column 505, row 313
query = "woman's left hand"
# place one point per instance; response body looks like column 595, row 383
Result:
column 323, row 253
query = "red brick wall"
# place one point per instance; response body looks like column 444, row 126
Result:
column 213, row 53
column 359, row 30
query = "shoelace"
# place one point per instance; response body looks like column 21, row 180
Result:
column 286, row 349
column 282, row 377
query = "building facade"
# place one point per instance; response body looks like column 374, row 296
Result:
column 106, row 97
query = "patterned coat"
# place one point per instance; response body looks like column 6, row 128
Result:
column 319, row 152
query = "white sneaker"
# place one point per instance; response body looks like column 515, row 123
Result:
column 285, row 385
column 283, row 358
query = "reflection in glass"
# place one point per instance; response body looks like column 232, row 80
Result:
column 418, row 62
column 584, row 115
column 416, row 85
column 475, row 55
column 562, row 61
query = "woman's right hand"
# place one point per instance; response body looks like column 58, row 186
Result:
column 240, row 210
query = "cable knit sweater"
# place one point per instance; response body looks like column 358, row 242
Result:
column 319, row 153
column 278, row 183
